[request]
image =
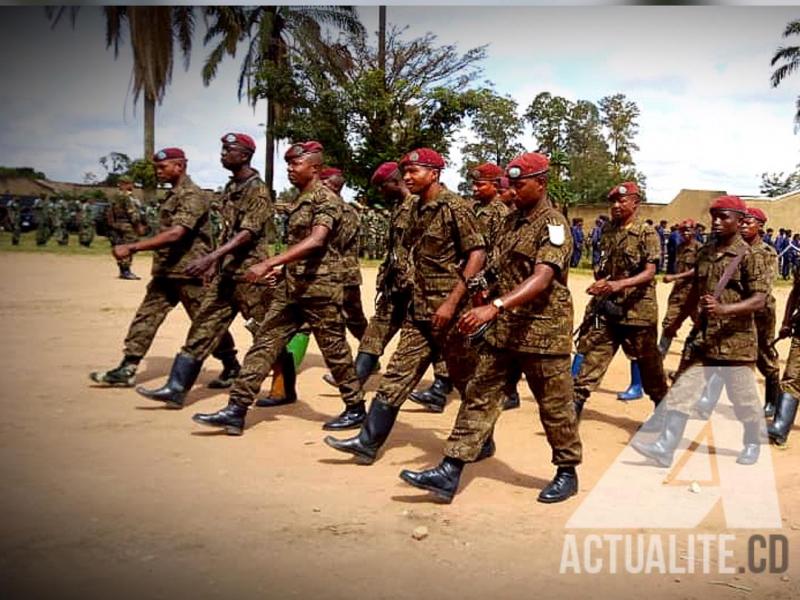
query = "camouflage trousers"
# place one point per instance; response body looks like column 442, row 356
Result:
column 16, row 232
column 739, row 380
column 600, row 344
column 224, row 298
column 285, row 317
column 418, row 346
column 390, row 314
column 163, row 294
column 354, row 319
column 790, row 383
column 123, row 235
column 550, row 382
column 767, row 359
column 677, row 298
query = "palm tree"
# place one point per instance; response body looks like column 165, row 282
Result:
column 790, row 56
column 153, row 31
column 271, row 34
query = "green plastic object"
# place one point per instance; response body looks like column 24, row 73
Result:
column 297, row 347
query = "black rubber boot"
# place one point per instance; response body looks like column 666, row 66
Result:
column 564, row 485
column 511, row 402
column 121, row 376
column 284, row 378
column 655, row 422
column 230, row 418
column 128, row 274
column 772, row 390
column 710, row 397
column 230, row 371
column 663, row 449
column 442, row 480
column 664, row 343
column 350, row 418
column 752, row 443
column 374, row 432
column 365, row 364
column 435, row 397
column 487, row 450
column 578, row 403
column 185, row 370
column 785, row 413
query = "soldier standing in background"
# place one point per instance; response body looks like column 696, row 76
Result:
column 62, row 210
column 446, row 237
column 532, row 329
column 767, row 359
column 14, row 216
column 41, row 210
column 124, row 223
column 685, row 260
column 506, row 193
column 86, row 222
column 578, row 240
column 184, row 234
column 623, row 309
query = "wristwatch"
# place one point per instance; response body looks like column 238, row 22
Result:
column 498, row 304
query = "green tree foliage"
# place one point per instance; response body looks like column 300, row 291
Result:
column 618, row 115
column 789, row 59
column 365, row 116
column 143, row 172
column 24, row 172
column 775, row 184
column 115, row 164
column 496, row 128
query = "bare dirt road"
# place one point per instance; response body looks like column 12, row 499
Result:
column 106, row 495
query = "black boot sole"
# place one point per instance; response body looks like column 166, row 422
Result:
column 438, row 492
column 557, row 499
column 777, row 440
column 229, row 429
column 362, row 459
column 272, row 402
column 336, row 427
column 434, row 408
column 644, row 451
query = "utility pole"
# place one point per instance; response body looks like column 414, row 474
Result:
column 382, row 40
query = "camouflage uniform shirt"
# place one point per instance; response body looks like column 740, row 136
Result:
column 730, row 338
column 185, row 205
column 347, row 239
column 318, row 275
column 397, row 259
column 625, row 252
column 246, row 205
column 770, row 258
column 124, row 211
column 443, row 231
column 490, row 216
column 543, row 326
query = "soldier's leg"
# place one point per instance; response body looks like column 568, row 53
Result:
column 191, row 296
column 17, row 233
column 642, row 344
column 550, row 382
column 128, row 237
column 355, row 321
column 158, row 300
column 278, row 326
column 406, row 367
column 740, row 384
column 767, row 358
column 460, row 358
column 598, row 347
column 325, row 319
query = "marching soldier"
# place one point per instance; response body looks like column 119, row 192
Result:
column 124, row 223
column 246, row 239
column 767, row 361
column 532, row 328
column 786, row 409
column 623, row 310
column 446, row 237
column 728, row 287
column 308, row 290
column 184, row 234
column 685, row 260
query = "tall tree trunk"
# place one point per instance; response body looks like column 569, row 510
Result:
column 269, row 161
column 382, row 40
column 149, row 140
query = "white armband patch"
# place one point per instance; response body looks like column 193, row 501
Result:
column 556, row 234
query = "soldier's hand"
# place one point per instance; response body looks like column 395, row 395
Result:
column 711, row 306
column 785, row 331
column 443, row 315
column 601, row 287
column 669, row 278
column 259, row 271
column 121, row 251
column 475, row 317
column 199, row 266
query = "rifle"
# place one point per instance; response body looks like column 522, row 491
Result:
column 478, row 287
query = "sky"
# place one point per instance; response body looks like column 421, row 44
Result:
column 700, row 76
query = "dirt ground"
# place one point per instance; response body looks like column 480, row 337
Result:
column 105, row 493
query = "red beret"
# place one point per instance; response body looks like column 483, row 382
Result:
column 528, row 165
column 486, row 172
column 303, row 148
column 384, row 172
column 503, row 183
column 242, row 139
column 757, row 214
column 329, row 172
column 424, row 157
column 167, row 153
column 733, row 203
column 687, row 223
column 626, row 188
